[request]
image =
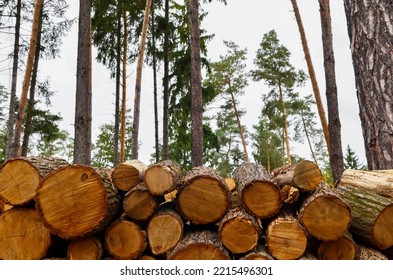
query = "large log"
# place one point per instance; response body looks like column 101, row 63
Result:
column 199, row 245
column 304, row 175
column 378, row 181
column 163, row 177
column 367, row 253
column 127, row 175
column 258, row 193
column 325, row 215
column 77, row 200
column 20, row 177
column 239, row 231
column 372, row 215
column 125, row 240
column 23, row 235
column 165, row 229
column 87, row 248
column 204, row 197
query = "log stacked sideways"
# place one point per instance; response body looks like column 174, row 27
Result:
column 53, row 209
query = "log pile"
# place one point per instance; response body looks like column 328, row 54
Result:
column 52, row 209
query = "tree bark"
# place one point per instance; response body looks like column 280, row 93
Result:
column 117, row 95
column 196, row 87
column 335, row 149
column 138, row 83
column 124, row 92
column 370, row 32
column 165, row 121
column 83, row 100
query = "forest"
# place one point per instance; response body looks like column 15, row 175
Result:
column 198, row 118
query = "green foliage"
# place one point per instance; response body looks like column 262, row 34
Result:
column 351, row 160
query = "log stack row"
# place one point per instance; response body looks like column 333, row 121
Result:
column 53, row 209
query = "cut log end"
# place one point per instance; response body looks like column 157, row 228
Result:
column 340, row 249
column 128, row 174
column 139, row 204
column 85, row 249
column 159, row 180
column 307, row 176
column 382, row 230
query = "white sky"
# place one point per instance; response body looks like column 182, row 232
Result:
column 243, row 22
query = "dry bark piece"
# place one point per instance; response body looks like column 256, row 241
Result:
column 204, row 197
column 127, row 175
column 163, row 177
column 325, row 215
column 239, row 231
column 125, row 240
column 304, row 175
column 165, row 229
column 260, row 252
column 88, row 248
column 343, row 248
column 372, row 215
column 139, row 204
column 77, row 200
column 199, row 245
column 290, row 194
column 367, row 253
column 20, row 177
column 286, row 239
column 23, row 235
column 258, row 193
column 231, row 183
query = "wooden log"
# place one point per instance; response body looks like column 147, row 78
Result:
column 378, row 181
column 199, row 245
column 239, row 231
column 125, row 240
column 304, row 175
column 139, row 204
column 231, row 183
column 307, row 256
column 163, row 177
column 367, row 253
column 165, row 229
column 286, row 239
column 343, row 248
column 127, row 175
column 77, row 200
column 325, row 215
column 23, row 235
column 204, row 197
column 20, row 177
column 260, row 252
column 87, row 248
column 372, row 216
column 290, row 194
column 258, row 193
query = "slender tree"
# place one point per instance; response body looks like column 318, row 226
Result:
column 336, row 152
column 124, row 91
column 370, row 32
column 83, row 105
column 165, row 119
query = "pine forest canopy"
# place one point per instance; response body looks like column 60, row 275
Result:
column 255, row 93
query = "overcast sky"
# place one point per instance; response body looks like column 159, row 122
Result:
column 243, row 22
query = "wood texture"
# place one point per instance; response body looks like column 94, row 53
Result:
column 343, row 248
column 163, row 177
column 88, row 248
column 139, row 204
column 260, row 252
column 129, row 174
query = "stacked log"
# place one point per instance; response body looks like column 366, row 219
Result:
column 162, row 212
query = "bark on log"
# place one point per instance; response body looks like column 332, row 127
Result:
column 260, row 252
column 378, row 181
column 343, row 248
column 23, row 235
column 325, row 215
column 139, row 204
column 20, row 177
column 204, row 197
column 258, row 193
column 304, row 175
column 239, row 231
column 77, row 200
column 163, row 177
column 366, row 253
column 290, row 194
column 286, row 239
column 165, row 229
column 127, row 175
column 88, row 248
column 199, row 245
column 125, row 240
column 372, row 215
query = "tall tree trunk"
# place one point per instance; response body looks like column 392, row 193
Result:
column 336, row 152
column 83, row 106
column 26, row 82
column 137, row 98
column 15, row 60
column 286, row 134
column 311, row 72
column 196, row 87
column 31, row 102
column 124, row 95
column 165, row 123
column 156, row 134
column 117, row 94
column 370, row 31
